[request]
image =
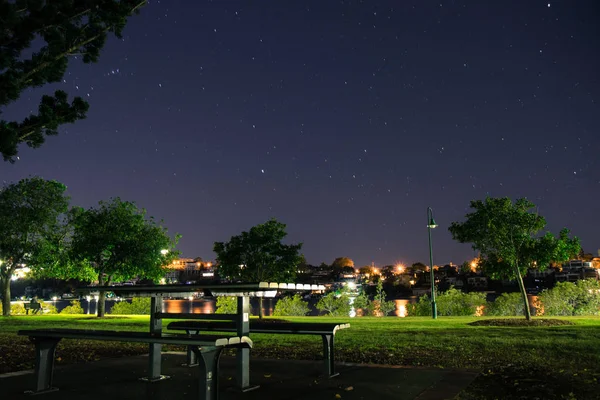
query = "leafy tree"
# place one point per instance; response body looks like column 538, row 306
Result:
column 138, row 306
column 292, row 306
column 341, row 262
column 388, row 272
column 226, row 305
column 380, row 305
column 116, row 242
column 366, row 270
column 73, row 308
column 507, row 304
column 465, row 268
column 419, row 267
column 568, row 298
column 334, row 304
column 29, row 213
column 259, row 255
column 69, row 28
column 505, row 233
column 452, row 302
column 362, row 302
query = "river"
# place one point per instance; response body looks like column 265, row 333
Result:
column 207, row 306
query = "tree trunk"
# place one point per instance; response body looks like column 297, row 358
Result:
column 526, row 309
column 101, row 297
column 260, row 307
column 6, row 296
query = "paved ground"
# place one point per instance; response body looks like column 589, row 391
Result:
column 278, row 379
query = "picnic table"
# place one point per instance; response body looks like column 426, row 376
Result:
column 205, row 348
column 241, row 319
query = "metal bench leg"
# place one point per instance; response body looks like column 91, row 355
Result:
column 191, row 360
column 329, row 355
column 154, row 358
column 209, row 372
column 44, row 364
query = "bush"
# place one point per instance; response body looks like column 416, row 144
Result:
column 19, row 308
column 73, row 308
column 138, row 306
column 453, row 302
column 226, row 305
column 506, row 305
column 567, row 298
column 421, row 308
column 15, row 309
column 362, row 303
column 334, row 305
column 291, row 306
column 379, row 306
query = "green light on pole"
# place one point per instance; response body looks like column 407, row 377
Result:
column 431, row 225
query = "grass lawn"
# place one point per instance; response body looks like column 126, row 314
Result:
column 544, row 362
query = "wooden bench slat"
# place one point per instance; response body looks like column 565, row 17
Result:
column 327, row 332
column 144, row 337
column 298, row 328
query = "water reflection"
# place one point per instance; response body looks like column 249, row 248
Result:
column 202, row 306
column 208, row 306
column 401, row 307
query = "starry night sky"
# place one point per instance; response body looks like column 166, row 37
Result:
column 342, row 119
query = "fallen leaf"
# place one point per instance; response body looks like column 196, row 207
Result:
column 349, row 388
column 338, row 396
column 267, row 375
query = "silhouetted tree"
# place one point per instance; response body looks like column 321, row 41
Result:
column 69, row 28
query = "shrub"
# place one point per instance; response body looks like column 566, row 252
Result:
column 379, row 306
column 334, row 305
column 453, row 302
column 15, row 309
column 291, row 306
column 507, row 304
column 421, row 308
column 73, row 308
column 226, row 305
column 362, row 302
column 47, row 308
column 138, row 306
column 567, row 298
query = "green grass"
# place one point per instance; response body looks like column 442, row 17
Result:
column 515, row 362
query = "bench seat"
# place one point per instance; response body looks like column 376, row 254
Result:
column 327, row 332
column 205, row 347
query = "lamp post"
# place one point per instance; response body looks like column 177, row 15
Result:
column 431, row 225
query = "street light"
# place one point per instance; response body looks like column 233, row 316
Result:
column 431, row 225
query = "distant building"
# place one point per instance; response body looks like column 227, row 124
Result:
column 189, row 269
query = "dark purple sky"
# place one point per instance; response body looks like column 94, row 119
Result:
column 343, row 119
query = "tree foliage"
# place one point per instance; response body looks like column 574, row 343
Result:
column 259, row 255
column 73, row 308
column 333, row 304
column 342, row 262
column 116, row 242
column 292, row 306
column 452, row 302
column 506, row 305
column 568, row 298
column 226, row 305
column 66, row 28
column 29, row 214
column 381, row 307
column 137, row 306
column 505, row 233
column 418, row 267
